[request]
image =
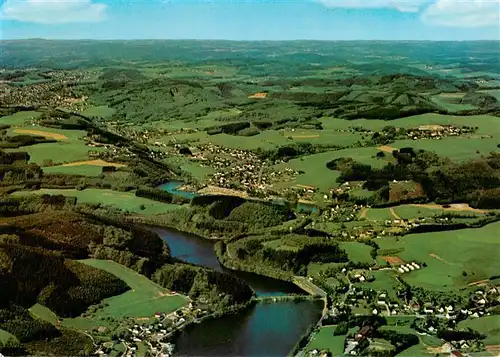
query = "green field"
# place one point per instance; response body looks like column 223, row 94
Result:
column 5, row 336
column 379, row 214
column 322, row 137
column 450, row 104
column 324, row 340
column 144, row 298
column 357, row 252
column 59, row 152
column 384, row 281
column 488, row 325
column 100, row 111
column 71, row 135
column 43, row 313
column 456, row 148
column 84, row 170
column 19, row 118
column 126, row 201
column 409, row 211
column 318, row 175
column 191, row 167
column 474, row 251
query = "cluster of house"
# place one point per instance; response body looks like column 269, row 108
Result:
column 352, row 343
column 53, row 94
column 340, row 213
column 437, row 131
column 154, row 336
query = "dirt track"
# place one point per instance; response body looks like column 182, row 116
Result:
column 45, row 134
column 435, row 256
column 305, row 186
column 305, row 136
column 394, row 214
column 479, row 282
column 97, row 162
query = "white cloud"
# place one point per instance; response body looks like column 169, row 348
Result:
column 53, row 11
column 463, row 13
column 401, row 5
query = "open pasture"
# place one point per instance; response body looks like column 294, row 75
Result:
column 102, row 111
column 126, row 201
column 98, row 163
column 384, row 281
column 324, row 340
column 451, row 102
column 357, row 252
column 377, row 214
column 19, row 118
column 322, row 137
column 49, row 133
column 316, row 173
column 448, row 256
column 414, row 211
column 493, row 92
column 191, row 167
column 456, row 148
column 83, row 170
column 143, row 300
column 59, row 152
column 288, row 243
column 43, row 313
column 488, row 325
column 70, row 149
column 6, row 336
column 45, row 134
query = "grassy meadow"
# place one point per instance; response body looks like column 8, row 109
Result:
column 83, row 170
column 324, row 340
column 19, row 118
column 448, row 255
column 143, row 300
column 126, row 201
column 488, row 325
column 357, row 252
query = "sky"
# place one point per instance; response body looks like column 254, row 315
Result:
column 251, row 19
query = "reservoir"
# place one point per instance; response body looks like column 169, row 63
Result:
column 266, row 329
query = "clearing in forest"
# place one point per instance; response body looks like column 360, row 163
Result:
column 259, row 95
column 461, row 207
column 97, row 162
column 46, row 134
column 386, row 148
column 144, row 298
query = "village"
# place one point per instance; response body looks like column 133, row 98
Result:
column 429, row 318
column 148, row 336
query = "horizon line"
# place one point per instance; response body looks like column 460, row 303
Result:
column 229, row 40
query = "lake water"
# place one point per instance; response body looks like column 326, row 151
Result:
column 269, row 330
column 172, row 187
